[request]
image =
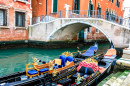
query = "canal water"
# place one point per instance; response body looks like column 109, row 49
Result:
column 14, row 60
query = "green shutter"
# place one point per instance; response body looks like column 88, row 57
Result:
column 16, row 20
column 78, row 6
column 54, row 5
column 89, row 8
column 91, row 13
column 26, row 0
column 81, row 34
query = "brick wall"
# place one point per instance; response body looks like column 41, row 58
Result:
column 10, row 32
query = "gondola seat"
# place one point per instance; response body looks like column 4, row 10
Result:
column 84, row 71
column 30, row 71
column 43, row 70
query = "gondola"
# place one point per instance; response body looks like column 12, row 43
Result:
column 88, row 71
column 23, row 78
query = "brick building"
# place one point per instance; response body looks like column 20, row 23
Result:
column 111, row 8
column 14, row 19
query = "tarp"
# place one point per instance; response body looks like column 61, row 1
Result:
column 110, row 52
column 90, row 52
column 93, row 48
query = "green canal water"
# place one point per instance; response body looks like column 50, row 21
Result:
column 14, row 60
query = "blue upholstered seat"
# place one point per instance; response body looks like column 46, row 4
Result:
column 32, row 72
column 44, row 70
column 69, row 58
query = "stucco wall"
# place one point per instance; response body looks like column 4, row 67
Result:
column 66, row 29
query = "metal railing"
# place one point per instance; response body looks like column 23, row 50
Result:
column 79, row 14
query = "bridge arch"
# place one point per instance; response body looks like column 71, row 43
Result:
column 82, row 24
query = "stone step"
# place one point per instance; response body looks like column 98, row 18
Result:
column 105, row 80
column 112, row 79
column 119, row 81
column 126, row 81
column 123, row 63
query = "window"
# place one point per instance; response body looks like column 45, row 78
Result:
column 55, row 5
column 112, row 1
column 97, row 31
column 20, row 19
column 76, row 6
column 90, row 8
column 107, row 14
column 99, row 10
column 3, row 17
column 89, row 30
column 118, row 3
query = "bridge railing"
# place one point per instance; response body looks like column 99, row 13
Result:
column 79, row 14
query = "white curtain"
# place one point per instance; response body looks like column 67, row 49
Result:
column 19, row 19
column 1, row 17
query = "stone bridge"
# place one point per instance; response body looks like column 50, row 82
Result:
column 61, row 29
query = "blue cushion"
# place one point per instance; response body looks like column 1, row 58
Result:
column 63, row 59
column 69, row 58
column 44, row 70
column 32, row 72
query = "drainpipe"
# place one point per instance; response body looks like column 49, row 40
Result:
column 46, row 7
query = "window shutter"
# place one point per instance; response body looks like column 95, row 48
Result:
column 112, row 1
column 116, row 2
column 54, row 5
column 89, row 8
column 16, row 20
column 26, row 0
column 5, row 17
column 81, row 34
column 91, row 13
column 78, row 6
column 99, row 11
column 23, row 19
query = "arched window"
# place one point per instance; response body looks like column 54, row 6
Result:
column 99, row 11
column 107, row 14
column 76, row 6
column 90, row 12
